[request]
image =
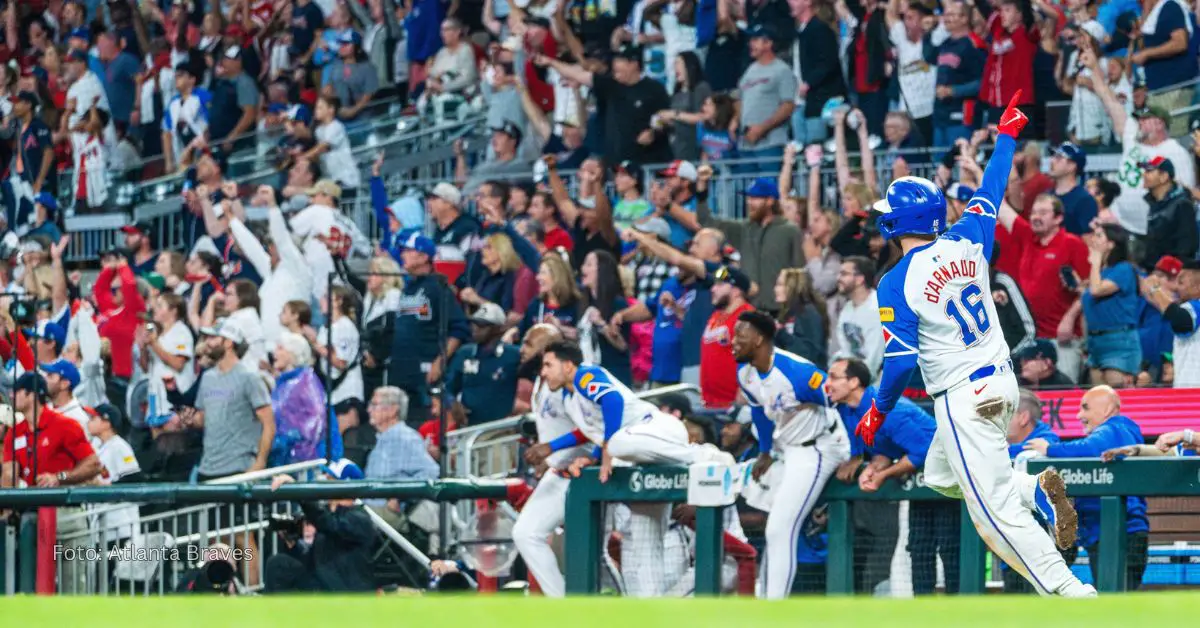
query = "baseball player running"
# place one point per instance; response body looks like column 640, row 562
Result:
column 937, row 311
column 796, row 422
column 628, row 429
column 557, row 446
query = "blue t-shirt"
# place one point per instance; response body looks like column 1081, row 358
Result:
column 679, row 234
column 118, row 78
column 1155, row 333
column 1118, row 310
column 1079, row 208
column 668, row 335
column 698, row 303
column 715, row 144
column 1166, row 71
column 424, row 29
column 306, row 20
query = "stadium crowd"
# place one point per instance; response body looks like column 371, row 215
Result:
column 591, row 215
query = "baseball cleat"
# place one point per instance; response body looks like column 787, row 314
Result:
column 1050, row 498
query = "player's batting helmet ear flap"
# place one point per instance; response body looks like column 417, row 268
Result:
column 913, row 206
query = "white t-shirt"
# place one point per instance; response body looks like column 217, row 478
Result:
column 345, row 347
column 187, row 112
column 1088, row 120
column 175, row 341
column 1130, row 207
column 338, row 162
column 250, row 325
column 917, row 78
column 116, row 461
column 86, row 91
column 860, row 333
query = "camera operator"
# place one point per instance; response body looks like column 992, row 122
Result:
column 339, row 558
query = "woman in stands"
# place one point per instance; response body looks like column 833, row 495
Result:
column 803, row 317
column 1110, row 309
column 298, row 400
column 492, row 280
column 559, row 301
column 340, row 309
column 603, row 336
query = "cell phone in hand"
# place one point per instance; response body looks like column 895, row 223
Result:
column 1068, row 277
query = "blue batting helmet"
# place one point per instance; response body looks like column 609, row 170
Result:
column 913, row 206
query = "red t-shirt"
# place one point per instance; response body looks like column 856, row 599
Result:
column 862, row 61
column 431, row 430
column 1009, row 259
column 119, row 324
column 1040, row 280
column 559, row 237
column 61, row 445
column 1009, row 65
column 718, row 370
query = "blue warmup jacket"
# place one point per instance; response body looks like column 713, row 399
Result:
column 907, row 431
column 1041, row 430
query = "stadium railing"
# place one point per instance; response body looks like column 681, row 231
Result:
column 587, row 543
column 34, row 559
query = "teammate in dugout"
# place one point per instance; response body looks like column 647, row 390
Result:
column 796, row 423
column 626, row 430
column 935, row 303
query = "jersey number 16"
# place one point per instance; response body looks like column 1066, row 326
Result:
column 969, row 312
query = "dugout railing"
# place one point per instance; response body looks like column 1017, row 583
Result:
column 29, row 543
column 1111, row 482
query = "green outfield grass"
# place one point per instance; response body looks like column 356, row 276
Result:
column 480, row 612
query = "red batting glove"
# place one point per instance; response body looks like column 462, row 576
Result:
column 869, row 424
column 1012, row 120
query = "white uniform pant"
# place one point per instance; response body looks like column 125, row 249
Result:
column 805, row 472
column 659, row 439
column 543, row 512
column 969, row 459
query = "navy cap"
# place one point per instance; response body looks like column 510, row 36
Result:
column 763, row 187
column 1040, row 348
column 1160, row 163
column 32, row 382
column 630, row 52
column 64, row 369
column 78, row 56
column 30, row 98
column 734, row 277
column 1074, row 153
column 350, row 37
column 761, row 30
column 509, row 128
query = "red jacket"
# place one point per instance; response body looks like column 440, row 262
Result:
column 119, row 323
column 1009, row 65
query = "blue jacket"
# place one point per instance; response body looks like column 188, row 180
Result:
column 907, row 431
column 423, row 301
column 1115, row 432
column 1041, row 430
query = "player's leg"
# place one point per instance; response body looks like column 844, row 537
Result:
column 642, row 563
column 973, row 427
column 1046, row 494
column 805, row 471
column 542, row 513
column 662, row 439
column 937, row 472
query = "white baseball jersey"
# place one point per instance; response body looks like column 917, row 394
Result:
column 1187, row 350
column 600, row 404
column 787, row 403
column 936, row 303
column 550, row 416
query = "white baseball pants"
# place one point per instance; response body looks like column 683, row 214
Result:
column 805, row 472
column 543, row 512
column 969, row 459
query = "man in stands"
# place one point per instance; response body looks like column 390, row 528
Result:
column 718, row 370
column 1067, row 164
column 1037, row 366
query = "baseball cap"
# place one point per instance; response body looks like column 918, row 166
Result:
column 509, row 128
column 64, row 369
column 685, row 170
column 230, row 331
column 31, row 382
column 537, row 20
column 107, row 412
column 51, row 331
column 141, row 228
column 1040, row 348
column 46, row 200
column 156, row 281
column 343, row 469
column 233, row 52
column 1073, row 152
column 734, row 277
column 629, row 52
column 81, row 32
column 30, row 98
column 447, row 192
column 32, row 246
column 628, row 167
column 301, row 114
column 760, row 30
column 1152, row 111
column 488, row 314
column 763, row 187
column 655, row 225
column 326, row 187
column 1160, row 163
column 419, row 243
column 1169, row 265
column 959, row 192
column 350, row 37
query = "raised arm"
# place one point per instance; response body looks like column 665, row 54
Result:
column 251, row 247
column 666, row 252
column 1112, row 105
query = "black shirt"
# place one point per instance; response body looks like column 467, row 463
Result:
column 585, row 243
column 1056, row 380
column 629, row 108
